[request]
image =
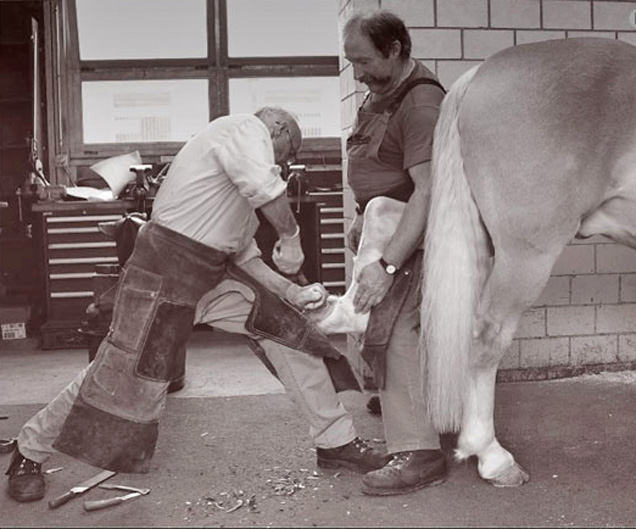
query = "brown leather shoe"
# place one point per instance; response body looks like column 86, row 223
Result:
column 356, row 455
column 26, row 482
column 407, row 472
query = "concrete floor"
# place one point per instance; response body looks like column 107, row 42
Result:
column 233, row 452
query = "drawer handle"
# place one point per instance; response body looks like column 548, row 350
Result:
column 79, row 245
column 83, row 260
column 83, row 218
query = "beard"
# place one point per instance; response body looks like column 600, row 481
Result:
column 375, row 83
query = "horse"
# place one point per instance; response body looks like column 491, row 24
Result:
column 533, row 147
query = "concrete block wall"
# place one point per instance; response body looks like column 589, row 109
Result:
column 585, row 319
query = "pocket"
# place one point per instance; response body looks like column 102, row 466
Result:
column 111, row 386
column 135, row 305
column 358, row 139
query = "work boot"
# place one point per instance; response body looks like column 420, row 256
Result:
column 356, row 455
column 406, row 472
column 26, row 482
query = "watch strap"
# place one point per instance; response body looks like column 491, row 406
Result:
column 386, row 266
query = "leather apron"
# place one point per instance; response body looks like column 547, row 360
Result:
column 113, row 423
column 368, row 177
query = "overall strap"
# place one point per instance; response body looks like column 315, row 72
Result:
column 407, row 88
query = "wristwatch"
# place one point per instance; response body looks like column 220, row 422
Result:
column 388, row 268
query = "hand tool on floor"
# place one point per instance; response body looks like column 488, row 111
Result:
column 81, row 489
column 135, row 492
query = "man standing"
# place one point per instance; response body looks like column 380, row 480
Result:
column 196, row 261
column 389, row 153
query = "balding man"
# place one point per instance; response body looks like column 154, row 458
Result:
column 196, row 261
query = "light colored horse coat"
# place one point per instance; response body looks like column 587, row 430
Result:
column 535, row 146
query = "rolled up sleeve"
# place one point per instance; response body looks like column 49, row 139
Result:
column 247, row 158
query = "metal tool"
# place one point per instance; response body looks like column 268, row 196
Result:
column 80, row 489
column 93, row 505
column 112, row 486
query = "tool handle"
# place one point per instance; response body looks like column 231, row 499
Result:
column 61, row 500
column 93, row 505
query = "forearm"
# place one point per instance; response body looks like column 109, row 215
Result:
column 274, row 282
column 280, row 215
column 412, row 226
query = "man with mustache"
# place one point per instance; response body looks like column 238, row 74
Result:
column 389, row 153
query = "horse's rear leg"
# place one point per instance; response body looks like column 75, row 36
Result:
column 512, row 287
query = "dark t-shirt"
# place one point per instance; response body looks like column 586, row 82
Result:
column 409, row 137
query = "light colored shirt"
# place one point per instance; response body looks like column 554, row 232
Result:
column 216, row 181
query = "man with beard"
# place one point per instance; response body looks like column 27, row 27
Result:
column 389, row 153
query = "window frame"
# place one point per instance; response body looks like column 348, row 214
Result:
column 217, row 68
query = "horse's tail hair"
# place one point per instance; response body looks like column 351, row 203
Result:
column 452, row 276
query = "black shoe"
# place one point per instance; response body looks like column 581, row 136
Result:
column 407, row 472
column 373, row 405
column 356, row 455
column 26, row 482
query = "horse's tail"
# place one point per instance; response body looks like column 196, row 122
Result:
column 452, row 275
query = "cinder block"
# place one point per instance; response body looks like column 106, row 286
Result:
column 543, row 352
column 555, row 292
column 628, row 37
column 594, row 289
column 449, row 71
column 510, row 358
column 482, row 43
column 627, row 347
column 571, row 320
column 462, row 13
column 436, row 43
column 526, row 37
column 415, row 13
column 616, row 318
column 594, row 350
column 596, row 34
column 515, row 14
column 613, row 15
column 614, row 258
column 559, row 14
column 531, row 324
column 577, row 259
column 628, row 288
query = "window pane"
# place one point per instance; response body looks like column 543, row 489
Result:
column 143, row 111
column 281, row 28
column 315, row 100
column 142, row 29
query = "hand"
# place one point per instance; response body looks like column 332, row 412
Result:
column 354, row 233
column 288, row 254
column 373, row 284
column 309, row 297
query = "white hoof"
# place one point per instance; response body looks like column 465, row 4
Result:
column 512, row 476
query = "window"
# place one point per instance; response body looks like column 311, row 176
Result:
column 141, row 29
column 143, row 111
column 147, row 74
column 279, row 28
column 314, row 100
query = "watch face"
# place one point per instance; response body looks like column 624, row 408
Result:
column 391, row 269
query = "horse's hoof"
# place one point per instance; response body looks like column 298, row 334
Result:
column 512, row 476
